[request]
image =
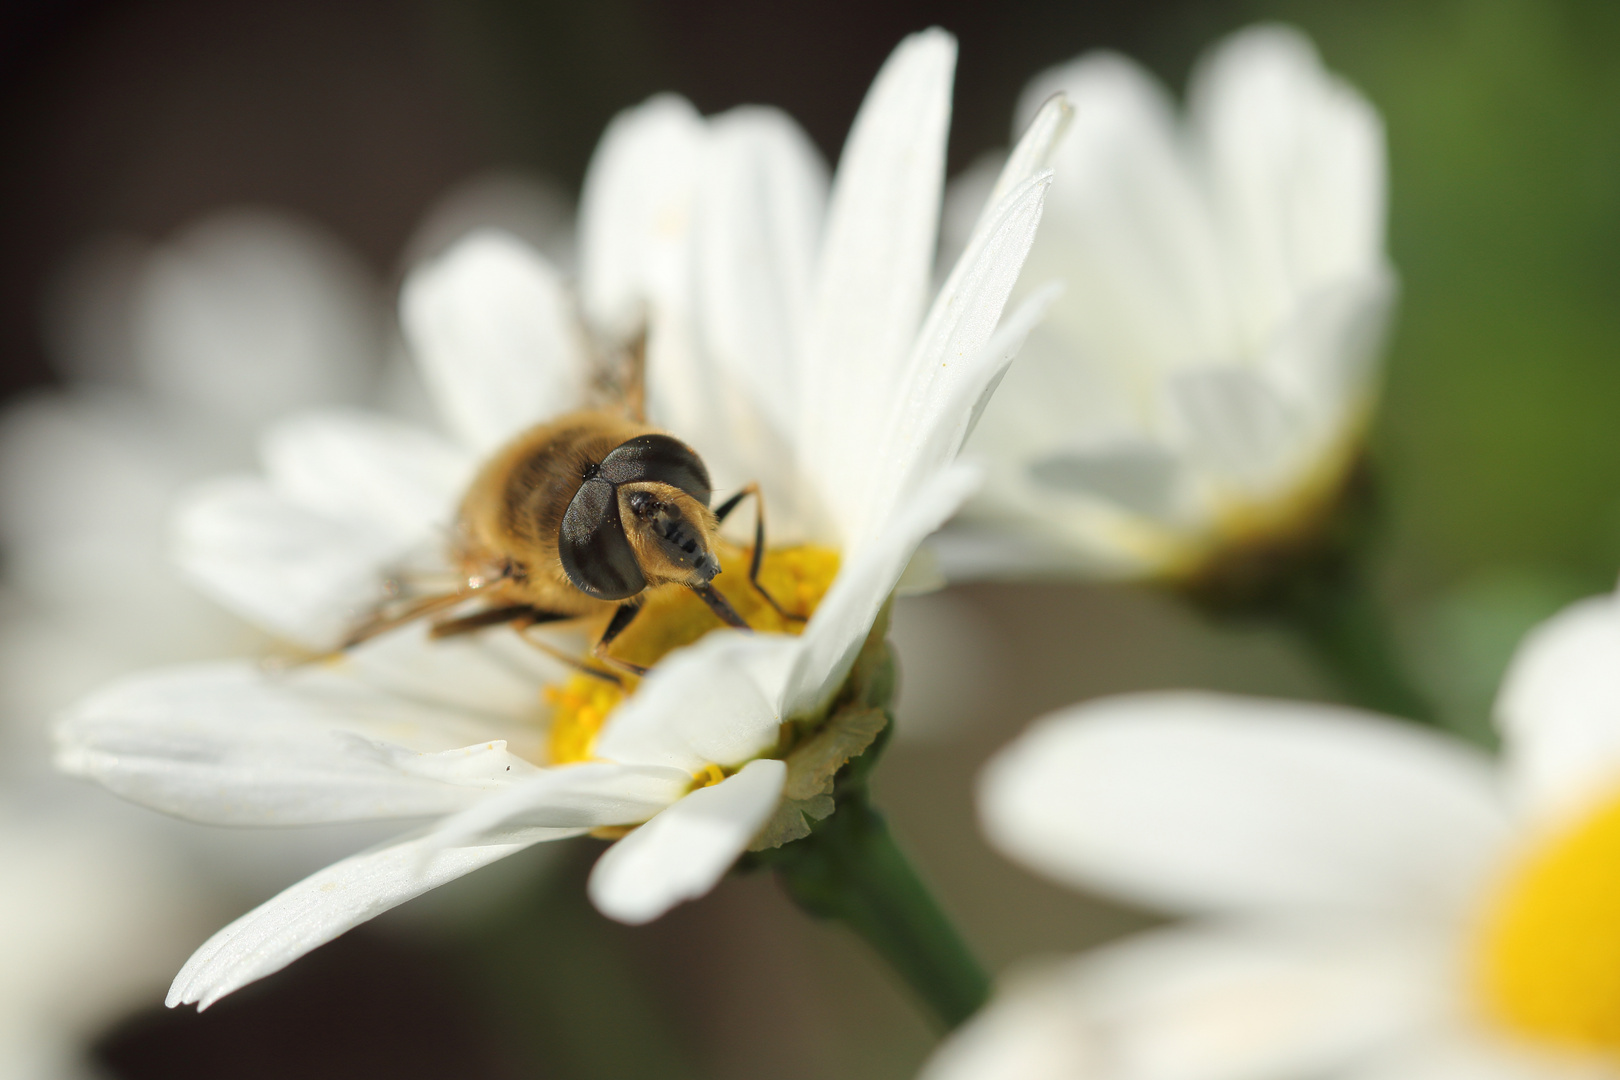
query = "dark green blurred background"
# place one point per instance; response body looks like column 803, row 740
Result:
column 1498, row 447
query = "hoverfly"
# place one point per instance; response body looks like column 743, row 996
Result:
column 579, row 517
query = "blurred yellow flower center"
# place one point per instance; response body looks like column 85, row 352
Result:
column 673, row 616
column 1550, row 951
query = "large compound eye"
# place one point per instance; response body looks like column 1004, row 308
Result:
column 661, row 459
column 596, row 555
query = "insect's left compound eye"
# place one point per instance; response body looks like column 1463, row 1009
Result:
column 595, row 552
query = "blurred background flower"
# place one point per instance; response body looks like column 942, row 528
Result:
column 1203, row 381
column 1494, row 436
column 1368, row 899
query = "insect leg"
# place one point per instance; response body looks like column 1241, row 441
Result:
column 758, row 555
column 720, row 606
column 557, row 654
column 622, row 618
column 496, row 616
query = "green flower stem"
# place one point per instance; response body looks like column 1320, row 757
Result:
column 1317, row 584
column 851, row 870
column 1347, row 631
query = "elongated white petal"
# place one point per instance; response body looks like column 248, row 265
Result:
column 1129, row 229
column 1296, row 163
column 1194, row 801
column 1462, row 1051
column 227, row 744
column 881, row 224
column 1032, row 155
column 495, row 337
column 1207, row 1003
column 292, row 570
column 580, row 796
column 701, row 705
column 725, row 358
column 763, row 196
column 636, row 213
column 950, row 369
column 684, row 851
column 349, row 464
column 1559, row 709
column 868, row 575
column 330, row 902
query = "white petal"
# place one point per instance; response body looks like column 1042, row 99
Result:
column 1196, row 801
column 1296, row 158
column 493, row 674
column 247, row 315
column 702, row 705
column 1031, row 156
column 1559, row 709
column 954, row 365
column 725, row 357
column 357, row 465
column 326, row 904
column 291, row 570
column 764, row 194
column 684, row 851
column 881, row 224
column 228, row 744
column 1234, row 426
column 636, row 213
column 1215, row 1003
column 496, row 338
column 1129, row 229
column 581, row 796
column 868, row 575
column 1473, row 1053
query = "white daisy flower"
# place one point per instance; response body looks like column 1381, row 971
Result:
column 1374, row 902
column 168, row 353
column 788, row 342
column 1204, row 380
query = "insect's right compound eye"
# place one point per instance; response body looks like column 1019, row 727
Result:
column 595, row 552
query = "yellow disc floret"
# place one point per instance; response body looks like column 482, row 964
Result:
column 671, row 616
column 1550, row 950
column 579, row 708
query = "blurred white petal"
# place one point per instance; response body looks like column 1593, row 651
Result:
column 636, row 211
column 1559, row 710
column 250, row 314
column 496, row 337
column 1211, row 1003
column 284, row 567
column 1206, row 802
column 364, row 466
column 1226, row 298
column 1469, row 1052
column 684, row 851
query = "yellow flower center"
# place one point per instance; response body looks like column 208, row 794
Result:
column 1550, row 949
column 672, row 616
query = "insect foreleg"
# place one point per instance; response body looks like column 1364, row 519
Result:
column 758, row 555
